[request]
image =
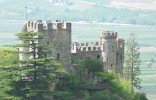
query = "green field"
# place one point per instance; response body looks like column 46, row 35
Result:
column 83, row 32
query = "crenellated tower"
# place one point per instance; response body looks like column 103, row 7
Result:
column 56, row 35
column 108, row 49
column 120, row 55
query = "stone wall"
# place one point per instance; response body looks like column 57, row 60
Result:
column 56, row 35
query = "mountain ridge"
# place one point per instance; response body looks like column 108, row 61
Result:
column 73, row 10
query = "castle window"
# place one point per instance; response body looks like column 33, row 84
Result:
column 103, row 46
column 58, row 56
column 35, row 25
column 32, row 24
column 47, row 42
column 121, row 57
column 107, row 59
column 29, row 24
column 111, row 65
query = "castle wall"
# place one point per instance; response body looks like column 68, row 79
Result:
column 84, row 50
column 56, row 35
column 82, row 55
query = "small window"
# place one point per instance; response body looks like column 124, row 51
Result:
column 35, row 25
column 121, row 57
column 32, row 24
column 47, row 42
column 58, row 56
column 29, row 24
column 111, row 65
column 103, row 46
column 107, row 59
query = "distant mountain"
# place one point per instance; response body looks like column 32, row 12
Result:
column 112, row 11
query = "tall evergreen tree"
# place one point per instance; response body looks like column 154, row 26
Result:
column 132, row 62
column 35, row 74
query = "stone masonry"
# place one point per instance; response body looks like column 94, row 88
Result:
column 57, row 35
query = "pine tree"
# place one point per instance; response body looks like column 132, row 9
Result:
column 32, row 78
column 132, row 62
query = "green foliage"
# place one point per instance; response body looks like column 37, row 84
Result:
column 9, row 73
column 139, row 96
column 63, row 95
column 91, row 64
column 8, row 56
column 103, row 86
column 99, row 95
column 106, row 76
column 31, row 79
column 9, row 76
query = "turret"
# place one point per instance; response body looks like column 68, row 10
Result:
column 108, row 48
column 56, row 34
column 120, row 54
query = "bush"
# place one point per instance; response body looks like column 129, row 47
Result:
column 99, row 95
column 139, row 96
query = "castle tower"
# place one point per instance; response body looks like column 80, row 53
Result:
column 108, row 49
column 120, row 55
column 56, row 35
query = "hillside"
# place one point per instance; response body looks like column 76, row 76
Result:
column 112, row 11
column 94, row 85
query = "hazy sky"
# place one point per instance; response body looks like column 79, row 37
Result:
column 139, row 4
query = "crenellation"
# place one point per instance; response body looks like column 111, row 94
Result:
column 109, row 49
column 109, row 34
column 40, row 26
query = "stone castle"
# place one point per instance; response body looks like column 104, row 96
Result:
column 57, row 35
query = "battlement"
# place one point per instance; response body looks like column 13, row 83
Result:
column 40, row 26
column 88, row 46
column 109, row 34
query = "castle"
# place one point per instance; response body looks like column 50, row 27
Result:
column 57, row 35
